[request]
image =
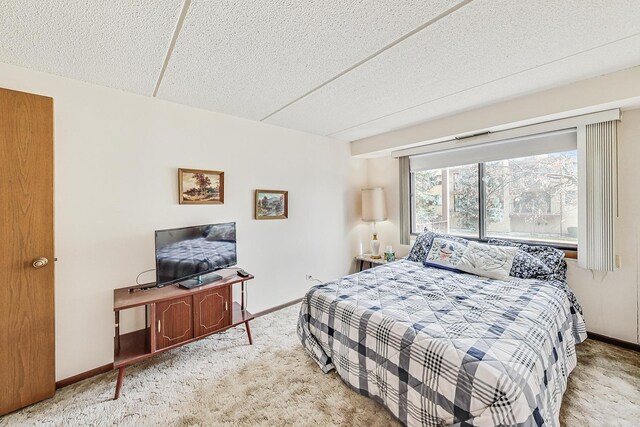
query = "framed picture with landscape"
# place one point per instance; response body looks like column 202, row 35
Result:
column 272, row 204
column 200, row 187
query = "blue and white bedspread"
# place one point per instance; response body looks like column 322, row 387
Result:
column 444, row 348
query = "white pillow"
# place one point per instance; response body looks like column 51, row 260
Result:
column 490, row 261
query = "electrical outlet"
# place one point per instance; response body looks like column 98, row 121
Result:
column 618, row 261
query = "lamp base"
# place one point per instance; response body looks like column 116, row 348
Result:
column 375, row 247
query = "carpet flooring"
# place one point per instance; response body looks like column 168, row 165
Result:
column 222, row 381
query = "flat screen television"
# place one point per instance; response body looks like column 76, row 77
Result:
column 194, row 252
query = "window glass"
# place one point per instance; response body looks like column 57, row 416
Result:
column 446, row 200
column 533, row 198
column 427, row 200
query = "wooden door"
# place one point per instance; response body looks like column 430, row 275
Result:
column 27, row 343
column 174, row 321
column 211, row 310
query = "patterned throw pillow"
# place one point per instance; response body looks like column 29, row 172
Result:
column 561, row 271
column 490, row 261
column 444, row 254
column 418, row 253
column 423, row 243
column 527, row 266
column 551, row 257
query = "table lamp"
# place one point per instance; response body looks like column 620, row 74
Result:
column 374, row 210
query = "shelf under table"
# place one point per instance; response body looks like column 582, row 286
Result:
column 136, row 345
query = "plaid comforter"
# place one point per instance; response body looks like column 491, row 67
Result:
column 438, row 347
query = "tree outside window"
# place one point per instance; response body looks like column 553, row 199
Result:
column 529, row 198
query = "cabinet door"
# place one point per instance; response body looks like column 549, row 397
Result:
column 212, row 310
column 174, row 322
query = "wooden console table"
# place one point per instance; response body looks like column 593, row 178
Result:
column 175, row 317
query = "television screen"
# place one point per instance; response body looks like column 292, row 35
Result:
column 183, row 253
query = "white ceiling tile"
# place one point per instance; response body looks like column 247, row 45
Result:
column 120, row 44
column 613, row 57
column 483, row 42
column 251, row 58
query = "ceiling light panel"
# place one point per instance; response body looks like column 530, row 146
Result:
column 120, row 44
column 483, row 42
column 250, row 59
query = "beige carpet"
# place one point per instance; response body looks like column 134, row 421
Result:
column 273, row 383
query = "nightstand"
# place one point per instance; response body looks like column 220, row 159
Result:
column 372, row 261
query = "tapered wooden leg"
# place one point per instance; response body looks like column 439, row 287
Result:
column 248, row 332
column 119, row 383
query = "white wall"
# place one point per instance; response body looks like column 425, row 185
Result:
column 116, row 160
column 610, row 303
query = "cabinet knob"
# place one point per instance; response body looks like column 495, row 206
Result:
column 40, row 262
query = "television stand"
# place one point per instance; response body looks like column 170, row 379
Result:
column 176, row 316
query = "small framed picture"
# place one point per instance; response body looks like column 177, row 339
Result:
column 272, row 204
column 200, row 187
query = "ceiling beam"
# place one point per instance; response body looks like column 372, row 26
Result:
column 172, row 44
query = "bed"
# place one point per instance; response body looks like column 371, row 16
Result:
column 438, row 347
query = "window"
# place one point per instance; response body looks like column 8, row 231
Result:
column 446, row 200
column 530, row 198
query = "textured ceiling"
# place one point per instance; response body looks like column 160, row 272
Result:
column 625, row 54
column 119, row 44
column 349, row 69
column 251, row 58
column 483, row 42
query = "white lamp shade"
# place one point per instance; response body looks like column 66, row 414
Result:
column 374, row 208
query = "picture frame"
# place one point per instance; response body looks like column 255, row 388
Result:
column 271, row 204
column 200, row 187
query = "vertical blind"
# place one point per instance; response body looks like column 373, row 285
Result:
column 405, row 202
column 597, row 199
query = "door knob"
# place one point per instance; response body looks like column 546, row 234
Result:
column 40, row 262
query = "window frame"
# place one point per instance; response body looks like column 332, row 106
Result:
column 571, row 249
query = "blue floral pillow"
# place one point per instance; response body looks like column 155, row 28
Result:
column 527, row 266
column 551, row 257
